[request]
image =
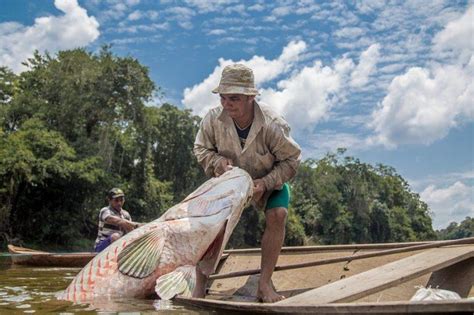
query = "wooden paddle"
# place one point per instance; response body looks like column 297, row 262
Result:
column 468, row 240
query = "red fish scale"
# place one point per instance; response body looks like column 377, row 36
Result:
column 83, row 284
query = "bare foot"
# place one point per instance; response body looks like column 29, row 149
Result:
column 267, row 294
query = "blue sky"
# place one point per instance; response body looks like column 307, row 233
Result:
column 392, row 81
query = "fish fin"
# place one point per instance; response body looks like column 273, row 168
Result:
column 140, row 258
column 181, row 281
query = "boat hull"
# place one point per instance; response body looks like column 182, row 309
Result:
column 381, row 289
column 29, row 257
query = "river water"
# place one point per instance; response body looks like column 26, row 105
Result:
column 31, row 290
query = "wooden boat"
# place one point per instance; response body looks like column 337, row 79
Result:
column 31, row 257
column 350, row 279
column 368, row 278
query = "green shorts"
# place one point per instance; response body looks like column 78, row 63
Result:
column 279, row 198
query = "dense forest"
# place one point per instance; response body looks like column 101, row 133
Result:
column 78, row 123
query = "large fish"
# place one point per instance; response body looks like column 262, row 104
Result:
column 162, row 255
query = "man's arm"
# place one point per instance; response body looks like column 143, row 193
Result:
column 126, row 225
column 205, row 150
column 287, row 156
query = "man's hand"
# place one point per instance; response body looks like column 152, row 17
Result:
column 127, row 226
column 222, row 166
column 258, row 189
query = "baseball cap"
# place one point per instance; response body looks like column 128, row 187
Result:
column 115, row 193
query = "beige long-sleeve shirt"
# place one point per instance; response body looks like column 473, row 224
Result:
column 270, row 153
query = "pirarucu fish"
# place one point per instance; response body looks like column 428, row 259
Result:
column 161, row 256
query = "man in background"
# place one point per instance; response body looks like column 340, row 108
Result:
column 114, row 221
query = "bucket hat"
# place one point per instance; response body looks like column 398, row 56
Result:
column 236, row 79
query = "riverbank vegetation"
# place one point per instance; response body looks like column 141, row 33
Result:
column 77, row 123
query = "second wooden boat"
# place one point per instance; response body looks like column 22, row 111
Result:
column 31, row 257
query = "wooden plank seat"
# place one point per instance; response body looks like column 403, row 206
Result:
column 377, row 279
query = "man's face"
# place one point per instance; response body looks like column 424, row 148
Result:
column 238, row 106
column 117, row 203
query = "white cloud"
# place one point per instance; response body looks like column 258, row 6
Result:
column 209, row 5
column 240, row 9
column 309, row 95
column 326, row 141
column 73, row 29
column 424, row 104
column 135, row 15
column 449, row 204
column 256, row 7
column 138, row 14
column 216, row 32
column 281, row 11
column 355, row 44
column 135, row 40
column 139, row 28
column 116, row 9
column 10, row 27
column 182, row 16
column 442, row 179
column 366, row 66
column 405, row 28
column 306, row 97
column 369, row 6
column 457, row 36
column 349, row 32
column 306, row 7
column 392, row 68
column 199, row 97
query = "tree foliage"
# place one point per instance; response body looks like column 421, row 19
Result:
column 342, row 200
column 457, row 230
column 73, row 126
column 173, row 132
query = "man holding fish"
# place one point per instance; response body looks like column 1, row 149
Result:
column 250, row 135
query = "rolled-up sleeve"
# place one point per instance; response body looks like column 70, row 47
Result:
column 205, row 146
column 104, row 214
column 287, row 155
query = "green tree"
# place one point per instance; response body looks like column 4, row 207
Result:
column 35, row 160
column 457, row 230
column 249, row 230
column 8, row 85
column 342, row 200
column 172, row 136
column 94, row 106
column 379, row 222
